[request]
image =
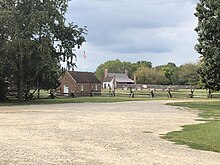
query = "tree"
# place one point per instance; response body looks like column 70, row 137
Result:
column 171, row 72
column 208, row 14
column 36, row 37
column 188, row 74
column 147, row 64
column 150, row 76
column 114, row 66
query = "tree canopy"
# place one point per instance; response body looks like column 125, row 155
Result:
column 34, row 38
column 150, row 76
column 114, row 66
column 188, row 74
column 170, row 71
column 208, row 14
column 145, row 73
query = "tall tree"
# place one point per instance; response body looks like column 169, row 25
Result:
column 147, row 64
column 208, row 14
column 37, row 38
column 188, row 74
column 150, row 76
column 171, row 72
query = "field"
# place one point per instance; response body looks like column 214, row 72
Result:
column 200, row 136
column 159, row 93
column 120, row 96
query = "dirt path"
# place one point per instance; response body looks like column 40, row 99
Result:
column 93, row 134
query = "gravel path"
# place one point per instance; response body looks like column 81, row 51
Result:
column 92, row 134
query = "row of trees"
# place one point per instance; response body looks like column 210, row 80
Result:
column 34, row 38
column 168, row 74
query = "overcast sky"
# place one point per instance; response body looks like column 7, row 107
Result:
column 159, row 31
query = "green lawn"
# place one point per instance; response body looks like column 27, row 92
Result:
column 74, row 100
column 200, row 136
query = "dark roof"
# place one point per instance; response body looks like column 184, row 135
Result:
column 84, row 77
column 107, row 79
column 119, row 77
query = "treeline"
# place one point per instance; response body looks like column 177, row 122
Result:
column 169, row 74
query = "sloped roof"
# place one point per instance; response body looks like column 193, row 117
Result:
column 84, row 77
column 107, row 79
column 119, row 77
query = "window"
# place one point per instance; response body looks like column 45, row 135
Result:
column 96, row 87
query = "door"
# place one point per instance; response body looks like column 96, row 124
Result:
column 66, row 89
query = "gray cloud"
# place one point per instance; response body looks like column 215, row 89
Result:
column 137, row 27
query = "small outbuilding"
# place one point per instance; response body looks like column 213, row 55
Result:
column 80, row 83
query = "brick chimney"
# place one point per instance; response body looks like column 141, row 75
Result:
column 135, row 79
column 126, row 72
column 106, row 73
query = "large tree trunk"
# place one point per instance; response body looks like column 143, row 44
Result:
column 38, row 89
column 209, row 94
column 38, row 93
column 20, row 81
column 2, row 89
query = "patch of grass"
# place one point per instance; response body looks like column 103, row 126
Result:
column 200, row 136
column 208, row 109
column 73, row 100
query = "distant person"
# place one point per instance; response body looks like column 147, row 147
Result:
column 191, row 93
column 169, row 93
column 152, row 93
column 131, row 93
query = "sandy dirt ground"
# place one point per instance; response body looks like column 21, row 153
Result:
column 96, row 134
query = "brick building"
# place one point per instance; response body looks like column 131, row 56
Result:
column 80, row 83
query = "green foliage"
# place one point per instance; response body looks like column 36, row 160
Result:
column 114, row 66
column 168, row 74
column 138, row 64
column 147, row 75
column 188, row 74
column 208, row 14
column 34, row 38
column 171, row 72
